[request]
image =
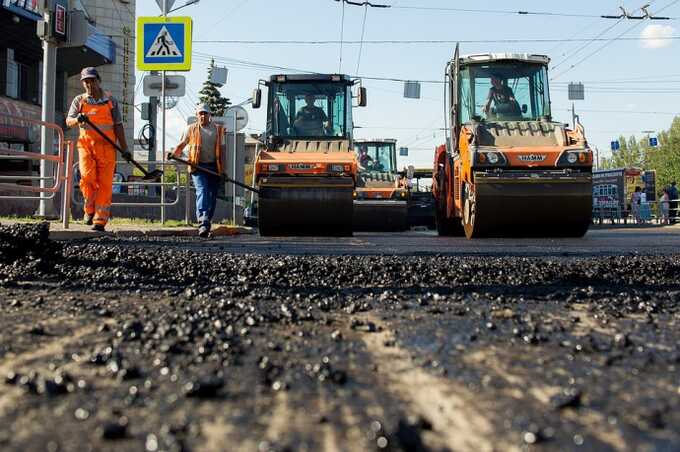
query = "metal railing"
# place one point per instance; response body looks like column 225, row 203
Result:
column 78, row 200
column 62, row 160
column 649, row 212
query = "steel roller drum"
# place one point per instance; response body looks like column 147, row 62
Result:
column 385, row 215
column 532, row 206
column 306, row 206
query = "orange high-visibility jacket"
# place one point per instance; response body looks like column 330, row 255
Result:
column 195, row 146
column 101, row 116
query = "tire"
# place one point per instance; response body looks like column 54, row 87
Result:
column 470, row 224
column 446, row 227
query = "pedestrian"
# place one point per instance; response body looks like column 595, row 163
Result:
column 673, row 203
column 635, row 204
column 204, row 139
column 96, row 157
column 663, row 205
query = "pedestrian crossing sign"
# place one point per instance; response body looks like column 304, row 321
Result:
column 164, row 43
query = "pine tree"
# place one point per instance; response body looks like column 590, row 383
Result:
column 210, row 95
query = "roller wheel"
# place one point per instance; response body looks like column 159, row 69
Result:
column 449, row 227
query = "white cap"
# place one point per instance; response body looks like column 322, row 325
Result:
column 203, row 108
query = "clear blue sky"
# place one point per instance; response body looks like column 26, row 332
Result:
column 624, row 77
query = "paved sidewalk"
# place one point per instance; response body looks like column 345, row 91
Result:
column 77, row 230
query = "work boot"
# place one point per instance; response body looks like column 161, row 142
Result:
column 98, row 227
column 203, row 232
column 87, row 219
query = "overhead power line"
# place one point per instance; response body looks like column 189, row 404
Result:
column 422, row 41
column 624, row 15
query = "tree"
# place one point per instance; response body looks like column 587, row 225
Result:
column 210, row 95
column 665, row 158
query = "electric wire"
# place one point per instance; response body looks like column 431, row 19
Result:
column 342, row 32
column 361, row 45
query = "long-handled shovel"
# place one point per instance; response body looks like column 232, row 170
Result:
column 148, row 175
column 213, row 173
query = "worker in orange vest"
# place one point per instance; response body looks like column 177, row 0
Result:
column 96, row 157
column 204, row 139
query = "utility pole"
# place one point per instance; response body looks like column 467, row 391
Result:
column 165, row 14
column 49, row 44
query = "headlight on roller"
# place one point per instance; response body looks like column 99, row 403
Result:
column 490, row 158
column 336, row 168
column 574, row 157
column 273, row 167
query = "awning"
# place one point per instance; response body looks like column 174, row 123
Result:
column 97, row 51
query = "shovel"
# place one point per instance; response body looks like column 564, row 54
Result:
column 213, row 173
column 148, row 175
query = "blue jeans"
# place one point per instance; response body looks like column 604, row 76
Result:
column 207, row 187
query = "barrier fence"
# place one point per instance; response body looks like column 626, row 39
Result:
column 648, row 212
column 64, row 174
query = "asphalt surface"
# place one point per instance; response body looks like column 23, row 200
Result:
column 378, row 342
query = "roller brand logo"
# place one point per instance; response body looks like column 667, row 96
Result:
column 301, row 166
column 532, row 158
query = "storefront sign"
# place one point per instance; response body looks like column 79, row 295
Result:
column 26, row 8
column 60, row 21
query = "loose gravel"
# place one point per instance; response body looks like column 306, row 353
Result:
column 113, row 345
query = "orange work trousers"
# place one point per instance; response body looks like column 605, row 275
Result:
column 97, row 162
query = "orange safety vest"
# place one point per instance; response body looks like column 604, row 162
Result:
column 101, row 115
column 195, row 146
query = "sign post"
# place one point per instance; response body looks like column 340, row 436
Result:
column 576, row 92
column 164, row 44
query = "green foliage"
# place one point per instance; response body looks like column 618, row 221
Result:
column 210, row 95
column 665, row 158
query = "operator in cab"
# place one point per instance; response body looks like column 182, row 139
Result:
column 503, row 100
column 311, row 120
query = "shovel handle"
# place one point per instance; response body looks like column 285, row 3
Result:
column 213, row 173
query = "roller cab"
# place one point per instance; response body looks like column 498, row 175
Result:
column 508, row 169
column 307, row 173
column 381, row 196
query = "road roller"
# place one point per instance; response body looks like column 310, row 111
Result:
column 507, row 168
column 307, row 172
column 381, row 196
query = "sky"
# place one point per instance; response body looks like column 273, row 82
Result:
column 631, row 73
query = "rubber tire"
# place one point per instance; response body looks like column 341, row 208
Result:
column 470, row 225
column 446, row 227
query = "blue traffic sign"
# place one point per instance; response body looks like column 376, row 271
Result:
column 615, row 145
column 164, row 43
column 653, row 142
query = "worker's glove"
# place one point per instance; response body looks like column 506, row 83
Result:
column 127, row 155
column 82, row 118
column 170, row 156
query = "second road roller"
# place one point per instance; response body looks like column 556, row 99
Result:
column 307, row 173
column 507, row 168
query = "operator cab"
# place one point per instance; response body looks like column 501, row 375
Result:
column 309, row 106
column 376, row 156
column 504, row 87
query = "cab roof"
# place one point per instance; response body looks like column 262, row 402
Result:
column 310, row 78
column 492, row 57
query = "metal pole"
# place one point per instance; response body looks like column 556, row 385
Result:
column 165, row 14
column 573, row 115
column 46, row 207
column 187, row 200
column 233, row 172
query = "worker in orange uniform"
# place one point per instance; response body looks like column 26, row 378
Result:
column 96, row 157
